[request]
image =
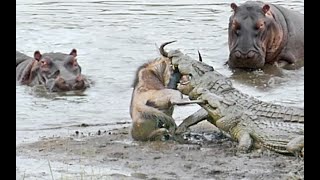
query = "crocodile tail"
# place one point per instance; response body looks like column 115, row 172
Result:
column 277, row 146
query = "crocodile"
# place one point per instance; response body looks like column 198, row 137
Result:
column 249, row 129
column 197, row 74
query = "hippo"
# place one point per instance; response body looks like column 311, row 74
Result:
column 260, row 34
column 58, row 72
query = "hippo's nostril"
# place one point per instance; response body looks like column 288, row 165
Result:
column 79, row 85
column 250, row 54
column 78, row 80
column 237, row 54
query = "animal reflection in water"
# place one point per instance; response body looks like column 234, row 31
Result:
column 153, row 99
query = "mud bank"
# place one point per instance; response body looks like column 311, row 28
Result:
column 113, row 154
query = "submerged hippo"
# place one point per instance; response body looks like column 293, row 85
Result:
column 56, row 71
column 262, row 34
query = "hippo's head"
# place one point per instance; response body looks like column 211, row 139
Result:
column 58, row 71
column 254, row 35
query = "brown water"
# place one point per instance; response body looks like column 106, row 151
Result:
column 113, row 38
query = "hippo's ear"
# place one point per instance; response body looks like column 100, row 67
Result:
column 265, row 8
column 234, row 6
column 73, row 53
column 37, row 55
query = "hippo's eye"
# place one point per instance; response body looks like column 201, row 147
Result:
column 235, row 25
column 236, row 28
column 73, row 63
column 237, row 32
column 43, row 62
column 260, row 25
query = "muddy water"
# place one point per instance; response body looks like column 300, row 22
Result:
column 113, row 38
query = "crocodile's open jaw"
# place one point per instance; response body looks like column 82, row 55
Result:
column 184, row 80
column 184, row 86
